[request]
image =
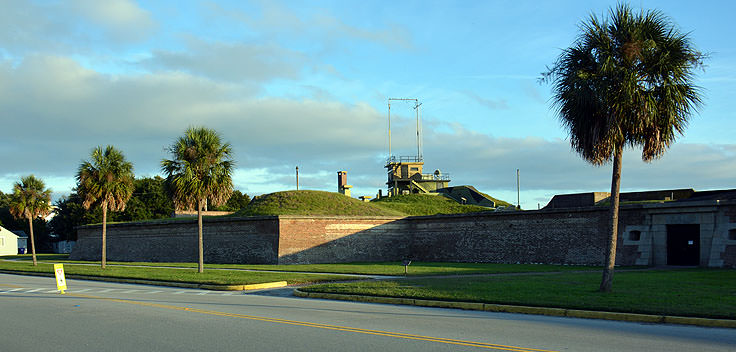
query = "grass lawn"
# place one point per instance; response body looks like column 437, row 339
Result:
column 315, row 203
column 425, row 204
column 320, row 203
column 381, row 268
column 217, row 277
column 707, row 293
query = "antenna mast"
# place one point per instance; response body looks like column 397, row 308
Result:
column 417, row 104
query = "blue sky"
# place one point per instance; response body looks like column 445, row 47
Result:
column 306, row 83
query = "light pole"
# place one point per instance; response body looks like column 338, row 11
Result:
column 518, row 201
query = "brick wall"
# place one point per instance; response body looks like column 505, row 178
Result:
column 342, row 239
column 225, row 240
column 564, row 237
column 561, row 236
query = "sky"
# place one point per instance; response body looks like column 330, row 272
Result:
column 307, row 83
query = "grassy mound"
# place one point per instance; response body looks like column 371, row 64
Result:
column 497, row 201
column 425, row 204
column 312, row 203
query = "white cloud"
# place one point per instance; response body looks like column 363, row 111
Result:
column 317, row 27
column 53, row 112
column 121, row 19
column 231, row 61
column 71, row 26
column 493, row 104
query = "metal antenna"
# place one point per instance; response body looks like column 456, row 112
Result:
column 417, row 104
column 389, row 129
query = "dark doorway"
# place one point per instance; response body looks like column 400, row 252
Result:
column 683, row 244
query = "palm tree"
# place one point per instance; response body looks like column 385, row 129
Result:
column 31, row 199
column 200, row 171
column 105, row 180
column 626, row 81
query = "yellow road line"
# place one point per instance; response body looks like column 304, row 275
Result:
column 11, row 285
column 324, row 326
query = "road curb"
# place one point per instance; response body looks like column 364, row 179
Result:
column 559, row 312
column 212, row 287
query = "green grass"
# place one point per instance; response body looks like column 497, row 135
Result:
column 707, row 293
column 320, row 203
column 497, row 201
column 39, row 256
column 217, row 277
column 317, row 203
column 425, row 204
column 373, row 268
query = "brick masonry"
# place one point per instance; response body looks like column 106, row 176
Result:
column 228, row 240
column 342, row 239
column 558, row 236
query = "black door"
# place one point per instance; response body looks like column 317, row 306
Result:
column 683, row 244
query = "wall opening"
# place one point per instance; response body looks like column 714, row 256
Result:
column 683, row 244
column 634, row 235
column 732, row 234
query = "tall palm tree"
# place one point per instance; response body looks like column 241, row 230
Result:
column 626, row 81
column 30, row 199
column 106, row 180
column 200, row 171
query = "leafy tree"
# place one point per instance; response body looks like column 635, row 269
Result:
column 70, row 213
column 626, row 81
column 107, row 181
column 3, row 204
column 200, row 170
column 31, row 199
column 150, row 200
column 236, row 202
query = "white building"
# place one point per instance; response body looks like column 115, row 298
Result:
column 8, row 242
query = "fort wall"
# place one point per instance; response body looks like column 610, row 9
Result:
column 554, row 236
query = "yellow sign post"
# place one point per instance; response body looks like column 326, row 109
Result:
column 60, row 280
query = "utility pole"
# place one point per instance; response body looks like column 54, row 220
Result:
column 518, row 197
column 297, row 178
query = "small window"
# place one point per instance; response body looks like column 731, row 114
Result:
column 634, row 235
column 732, row 234
column 2, row 241
column 415, row 169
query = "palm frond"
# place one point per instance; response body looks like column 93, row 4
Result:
column 200, row 169
column 626, row 81
column 106, row 178
column 30, row 198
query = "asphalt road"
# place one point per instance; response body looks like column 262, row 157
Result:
column 99, row 316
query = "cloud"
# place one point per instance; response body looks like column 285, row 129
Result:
column 315, row 26
column 234, row 62
column 493, row 104
column 71, row 26
column 122, row 20
column 54, row 111
column 490, row 163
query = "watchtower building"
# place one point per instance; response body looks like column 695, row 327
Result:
column 405, row 172
column 405, row 176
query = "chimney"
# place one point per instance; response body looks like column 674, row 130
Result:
column 342, row 183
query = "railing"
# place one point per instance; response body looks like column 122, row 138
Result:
column 403, row 159
column 434, row 177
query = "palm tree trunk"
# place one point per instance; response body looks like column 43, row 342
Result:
column 607, row 280
column 33, row 243
column 104, row 235
column 199, row 238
